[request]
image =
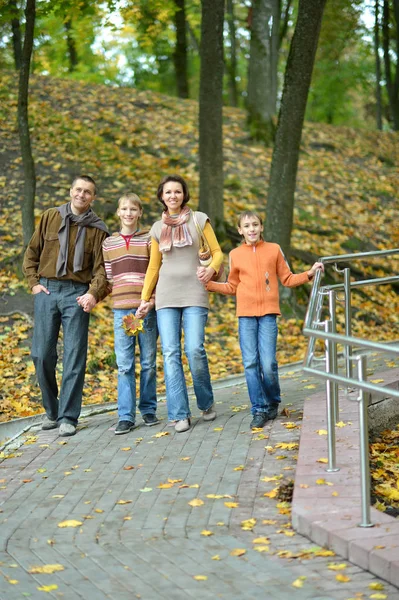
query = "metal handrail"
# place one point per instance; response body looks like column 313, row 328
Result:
column 316, row 328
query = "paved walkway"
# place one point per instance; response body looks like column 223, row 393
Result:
column 160, row 515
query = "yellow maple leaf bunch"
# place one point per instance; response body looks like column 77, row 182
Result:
column 132, row 325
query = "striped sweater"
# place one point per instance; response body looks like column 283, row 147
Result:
column 126, row 267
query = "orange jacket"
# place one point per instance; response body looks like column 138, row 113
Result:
column 253, row 278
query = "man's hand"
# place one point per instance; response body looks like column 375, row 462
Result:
column 87, row 302
column 39, row 288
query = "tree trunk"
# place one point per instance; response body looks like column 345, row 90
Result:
column 298, row 74
column 23, row 124
column 16, row 34
column 377, row 66
column 262, row 81
column 71, row 45
column 232, row 67
column 392, row 83
column 210, row 112
column 180, row 53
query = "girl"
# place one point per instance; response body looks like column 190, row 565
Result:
column 126, row 257
column 181, row 300
column 255, row 267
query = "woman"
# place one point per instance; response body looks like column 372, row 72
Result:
column 181, row 301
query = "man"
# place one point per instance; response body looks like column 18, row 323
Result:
column 65, row 270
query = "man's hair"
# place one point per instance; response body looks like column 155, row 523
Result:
column 85, row 178
column 133, row 198
column 177, row 179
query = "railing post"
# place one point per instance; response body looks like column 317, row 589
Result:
column 364, row 446
column 333, row 348
column 348, row 320
column 330, row 404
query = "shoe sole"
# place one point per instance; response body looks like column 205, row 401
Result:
column 151, row 424
column 127, row 430
column 207, row 418
column 49, row 427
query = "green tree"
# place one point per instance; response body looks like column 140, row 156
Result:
column 298, row 73
column 23, row 124
column 210, row 112
column 390, row 41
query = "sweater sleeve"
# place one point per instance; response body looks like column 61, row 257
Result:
column 107, row 263
column 230, row 287
column 33, row 251
column 285, row 275
column 217, row 254
column 151, row 276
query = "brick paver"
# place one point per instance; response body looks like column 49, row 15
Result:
column 139, row 535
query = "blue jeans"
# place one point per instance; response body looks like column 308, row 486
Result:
column 51, row 311
column 125, row 358
column 258, row 340
column 171, row 322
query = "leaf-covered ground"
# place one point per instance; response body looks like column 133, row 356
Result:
column 346, row 201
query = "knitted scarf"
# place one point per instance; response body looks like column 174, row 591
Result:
column 87, row 219
column 174, row 230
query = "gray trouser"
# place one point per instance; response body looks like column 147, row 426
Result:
column 51, row 311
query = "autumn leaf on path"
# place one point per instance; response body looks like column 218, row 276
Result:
column 337, row 566
column 322, row 431
column 238, row 552
column 47, row 569
column 298, row 583
column 48, row 588
column 248, row 524
column 146, row 489
column 239, row 468
column 376, row 586
column 378, row 596
column 231, row 504
column 161, row 434
column 261, row 540
column 124, row 502
column 206, row 533
column 70, row 523
column 216, row 557
column 196, row 502
column 342, row 578
column 164, row 486
column 200, row 577
column 322, row 460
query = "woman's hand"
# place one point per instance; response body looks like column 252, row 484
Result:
column 318, row 266
column 143, row 309
column 205, row 274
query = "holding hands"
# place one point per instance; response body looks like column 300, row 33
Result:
column 87, row 302
column 204, row 274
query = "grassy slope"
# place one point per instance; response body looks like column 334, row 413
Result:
column 346, row 200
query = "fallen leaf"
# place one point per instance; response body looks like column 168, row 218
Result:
column 128, row 468
column 13, row 581
column 70, row 523
column 206, row 533
column 196, row 502
column 337, row 566
column 248, row 524
column 231, row 504
column 376, row 381
column 200, row 577
column 261, row 540
column 303, row 485
column 269, row 522
column 342, row 578
column 298, row 583
column 124, row 502
column 146, row 489
column 48, row 588
column 262, row 548
column 218, row 429
column 161, row 434
column 27, row 480
column 322, row 460
column 47, row 569
column 98, row 510
column 238, row 552
column 185, row 458
column 216, row 557
column 164, row 486
column 378, row 596
column 239, row 468
column 322, row 431
column 126, row 449
column 376, row 586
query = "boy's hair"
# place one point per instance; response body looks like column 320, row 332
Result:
column 249, row 213
column 133, row 198
column 85, row 178
column 177, row 179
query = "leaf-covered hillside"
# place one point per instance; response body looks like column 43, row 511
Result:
column 346, row 201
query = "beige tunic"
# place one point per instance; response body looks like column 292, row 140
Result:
column 178, row 286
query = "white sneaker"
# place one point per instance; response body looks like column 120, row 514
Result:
column 209, row 414
column 67, row 429
column 49, row 424
column 183, row 425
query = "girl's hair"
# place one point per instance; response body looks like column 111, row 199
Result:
column 133, row 198
column 249, row 213
column 177, row 179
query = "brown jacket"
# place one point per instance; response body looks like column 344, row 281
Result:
column 41, row 255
